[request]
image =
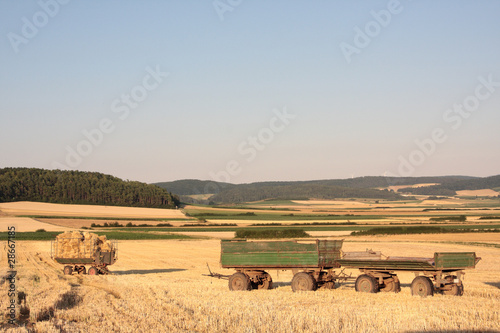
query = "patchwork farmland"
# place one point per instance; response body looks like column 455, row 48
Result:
column 160, row 284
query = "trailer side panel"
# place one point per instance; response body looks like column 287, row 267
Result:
column 279, row 254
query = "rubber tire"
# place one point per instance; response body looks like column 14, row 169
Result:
column 422, row 286
column 366, row 284
column 456, row 289
column 391, row 287
column 239, row 281
column 68, row 270
column 303, row 282
column 267, row 284
column 93, row 271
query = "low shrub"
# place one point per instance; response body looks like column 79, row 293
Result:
column 262, row 234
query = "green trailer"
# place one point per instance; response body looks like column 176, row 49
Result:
column 312, row 263
column 442, row 273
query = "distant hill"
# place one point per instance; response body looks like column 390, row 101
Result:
column 360, row 187
column 77, row 187
column 450, row 188
column 194, row 186
column 262, row 191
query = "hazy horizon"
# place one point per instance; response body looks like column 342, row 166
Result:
column 247, row 92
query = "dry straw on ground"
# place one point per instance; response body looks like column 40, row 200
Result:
column 49, row 209
column 158, row 286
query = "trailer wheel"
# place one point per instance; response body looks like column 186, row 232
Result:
column 266, row 282
column 68, row 270
column 239, row 281
column 422, row 286
column 303, row 282
column 453, row 289
column 366, row 284
column 391, row 286
column 93, row 271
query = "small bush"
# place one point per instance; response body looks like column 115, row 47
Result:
column 461, row 218
column 262, row 234
column 247, row 214
column 400, row 231
column 41, row 230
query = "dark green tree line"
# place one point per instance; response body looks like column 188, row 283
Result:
column 78, row 187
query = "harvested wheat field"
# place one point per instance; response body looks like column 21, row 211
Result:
column 158, row 287
column 467, row 238
column 49, row 209
column 24, row 224
column 479, row 193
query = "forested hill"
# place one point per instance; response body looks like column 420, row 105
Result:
column 77, row 187
column 194, row 186
column 450, row 188
column 256, row 192
column 360, row 187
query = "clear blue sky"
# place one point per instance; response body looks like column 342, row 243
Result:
column 255, row 91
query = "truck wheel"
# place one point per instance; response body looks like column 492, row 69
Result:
column 303, row 282
column 239, row 281
column 93, row 271
column 68, row 270
column 366, row 284
column 422, row 286
column 266, row 283
column 391, row 286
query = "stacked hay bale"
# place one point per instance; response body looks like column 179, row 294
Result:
column 105, row 245
column 80, row 245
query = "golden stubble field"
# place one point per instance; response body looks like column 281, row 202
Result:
column 11, row 214
column 48, row 209
column 158, row 287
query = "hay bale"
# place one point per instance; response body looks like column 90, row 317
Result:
column 80, row 245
